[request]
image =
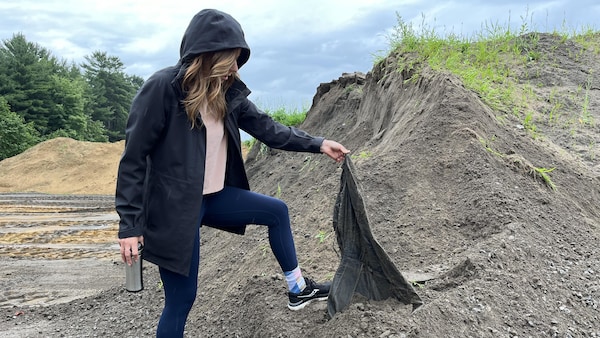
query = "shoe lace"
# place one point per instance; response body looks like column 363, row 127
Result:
column 310, row 283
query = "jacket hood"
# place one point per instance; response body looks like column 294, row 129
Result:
column 211, row 30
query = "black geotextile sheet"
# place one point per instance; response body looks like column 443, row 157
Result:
column 365, row 267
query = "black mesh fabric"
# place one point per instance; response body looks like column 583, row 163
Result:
column 365, row 267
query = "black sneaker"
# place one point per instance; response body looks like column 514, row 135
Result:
column 312, row 291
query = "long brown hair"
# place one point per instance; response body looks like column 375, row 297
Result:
column 203, row 82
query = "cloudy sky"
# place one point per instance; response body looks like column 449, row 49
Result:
column 296, row 45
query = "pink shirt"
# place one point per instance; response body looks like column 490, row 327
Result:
column 216, row 153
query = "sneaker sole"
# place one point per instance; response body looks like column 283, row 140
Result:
column 302, row 305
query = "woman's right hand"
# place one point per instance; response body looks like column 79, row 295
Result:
column 129, row 249
column 334, row 150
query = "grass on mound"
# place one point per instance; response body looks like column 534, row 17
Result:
column 486, row 61
column 290, row 117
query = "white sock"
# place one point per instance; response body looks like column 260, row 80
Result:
column 295, row 280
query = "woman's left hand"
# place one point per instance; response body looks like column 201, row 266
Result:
column 334, row 150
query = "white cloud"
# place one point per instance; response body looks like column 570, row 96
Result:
column 295, row 45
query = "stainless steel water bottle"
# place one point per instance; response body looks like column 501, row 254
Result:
column 133, row 273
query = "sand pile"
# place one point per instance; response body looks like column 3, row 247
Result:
column 63, row 166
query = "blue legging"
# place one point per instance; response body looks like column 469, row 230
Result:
column 231, row 206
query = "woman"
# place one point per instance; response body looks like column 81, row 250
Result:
column 182, row 167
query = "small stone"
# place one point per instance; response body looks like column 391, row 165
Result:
column 386, row 333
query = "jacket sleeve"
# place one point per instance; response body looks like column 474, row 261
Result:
column 144, row 127
column 274, row 134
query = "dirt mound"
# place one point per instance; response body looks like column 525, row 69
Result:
column 458, row 193
column 496, row 227
column 63, row 166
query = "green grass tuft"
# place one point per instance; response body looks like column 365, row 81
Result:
column 485, row 61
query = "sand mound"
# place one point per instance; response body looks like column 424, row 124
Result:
column 63, row 166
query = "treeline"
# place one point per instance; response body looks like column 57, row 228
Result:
column 42, row 97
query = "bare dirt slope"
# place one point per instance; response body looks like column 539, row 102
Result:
column 453, row 196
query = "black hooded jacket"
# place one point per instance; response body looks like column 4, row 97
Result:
column 161, row 172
